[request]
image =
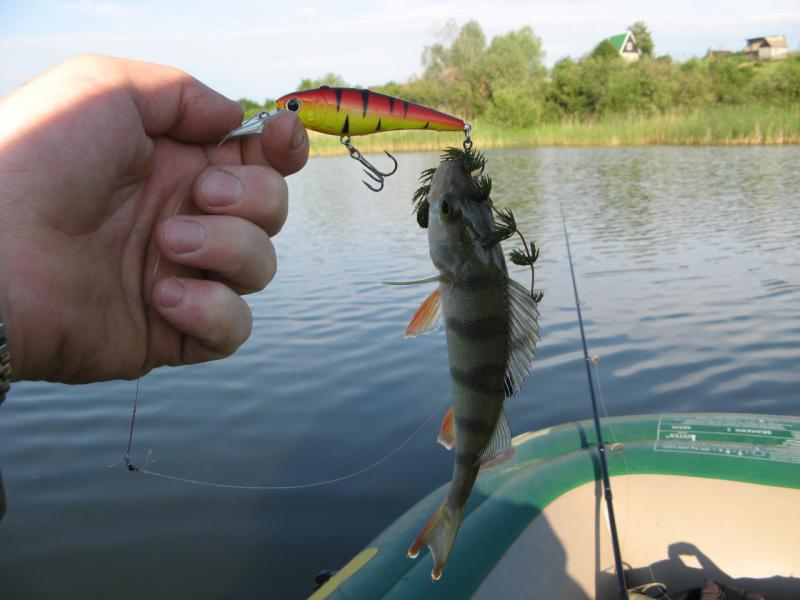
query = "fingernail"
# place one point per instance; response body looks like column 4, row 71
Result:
column 219, row 188
column 299, row 135
column 184, row 236
column 172, row 293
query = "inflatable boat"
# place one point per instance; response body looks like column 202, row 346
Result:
column 697, row 497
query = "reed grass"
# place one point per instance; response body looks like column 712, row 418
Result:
column 721, row 126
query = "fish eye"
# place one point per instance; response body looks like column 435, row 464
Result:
column 293, row 105
column 446, row 208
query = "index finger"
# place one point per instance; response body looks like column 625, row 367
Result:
column 172, row 102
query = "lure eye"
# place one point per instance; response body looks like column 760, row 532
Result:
column 293, row 105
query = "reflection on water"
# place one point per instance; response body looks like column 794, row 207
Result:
column 688, row 262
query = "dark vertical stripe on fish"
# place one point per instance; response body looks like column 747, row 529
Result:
column 405, row 109
column 364, row 102
column 475, row 329
column 338, row 99
column 474, row 426
column 346, row 126
column 391, row 104
column 476, row 378
column 378, row 128
column 427, row 125
column 478, row 283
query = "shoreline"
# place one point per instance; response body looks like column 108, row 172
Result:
column 327, row 151
column 722, row 126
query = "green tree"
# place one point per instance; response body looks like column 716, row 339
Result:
column 604, row 51
column 512, row 67
column 453, row 72
column 467, row 47
column 643, row 38
column 513, row 58
column 693, row 85
column 777, row 84
column 596, row 74
column 729, row 79
column 644, row 87
column 564, row 96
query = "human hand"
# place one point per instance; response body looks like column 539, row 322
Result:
column 95, row 156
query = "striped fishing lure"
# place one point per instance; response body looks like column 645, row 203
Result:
column 350, row 112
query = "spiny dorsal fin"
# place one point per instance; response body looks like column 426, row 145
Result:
column 523, row 334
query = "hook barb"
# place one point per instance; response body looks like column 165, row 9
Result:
column 370, row 170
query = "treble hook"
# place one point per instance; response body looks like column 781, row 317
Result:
column 370, row 170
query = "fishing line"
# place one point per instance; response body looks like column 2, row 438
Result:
column 209, row 156
column 601, row 448
column 298, row 486
column 144, row 470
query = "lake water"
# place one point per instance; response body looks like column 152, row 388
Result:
column 688, row 265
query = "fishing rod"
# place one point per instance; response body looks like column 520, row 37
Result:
column 601, row 447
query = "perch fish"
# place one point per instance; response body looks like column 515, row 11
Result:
column 491, row 329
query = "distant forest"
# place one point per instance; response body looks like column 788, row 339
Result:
column 505, row 81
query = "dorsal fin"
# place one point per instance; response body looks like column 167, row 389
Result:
column 523, row 334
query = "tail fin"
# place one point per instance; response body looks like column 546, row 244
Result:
column 438, row 535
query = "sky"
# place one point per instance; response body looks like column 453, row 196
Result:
column 262, row 50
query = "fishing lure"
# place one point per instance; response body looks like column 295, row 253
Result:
column 349, row 112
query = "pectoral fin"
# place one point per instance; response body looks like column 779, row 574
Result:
column 414, row 281
column 523, row 335
column 427, row 317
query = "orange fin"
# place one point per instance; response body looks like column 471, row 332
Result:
column 447, row 436
column 426, row 318
column 438, row 534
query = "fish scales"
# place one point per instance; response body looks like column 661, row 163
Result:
column 477, row 386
